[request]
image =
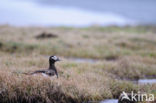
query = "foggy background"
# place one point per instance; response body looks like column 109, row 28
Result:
column 77, row 12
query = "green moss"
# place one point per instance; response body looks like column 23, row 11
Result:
column 17, row 47
column 126, row 29
column 70, row 65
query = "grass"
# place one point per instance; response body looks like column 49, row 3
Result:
column 123, row 53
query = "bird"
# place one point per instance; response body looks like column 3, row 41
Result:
column 51, row 71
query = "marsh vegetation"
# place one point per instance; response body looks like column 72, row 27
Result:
column 122, row 54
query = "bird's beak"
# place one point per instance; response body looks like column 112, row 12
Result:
column 58, row 59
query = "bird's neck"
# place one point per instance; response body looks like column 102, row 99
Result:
column 51, row 65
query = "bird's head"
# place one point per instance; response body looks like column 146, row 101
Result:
column 53, row 59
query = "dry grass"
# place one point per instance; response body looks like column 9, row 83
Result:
column 123, row 53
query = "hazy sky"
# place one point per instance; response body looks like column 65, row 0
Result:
column 77, row 12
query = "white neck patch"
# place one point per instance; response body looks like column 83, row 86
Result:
column 54, row 57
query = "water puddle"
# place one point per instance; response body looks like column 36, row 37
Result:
column 86, row 60
column 89, row 60
column 82, row 60
column 146, row 81
column 110, row 101
column 78, row 60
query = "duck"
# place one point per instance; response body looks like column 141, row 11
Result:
column 51, row 71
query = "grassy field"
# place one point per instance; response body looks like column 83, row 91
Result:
column 122, row 54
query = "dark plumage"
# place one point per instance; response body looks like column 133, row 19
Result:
column 51, row 71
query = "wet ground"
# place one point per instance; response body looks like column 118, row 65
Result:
column 110, row 101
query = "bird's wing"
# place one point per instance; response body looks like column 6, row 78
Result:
column 35, row 72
